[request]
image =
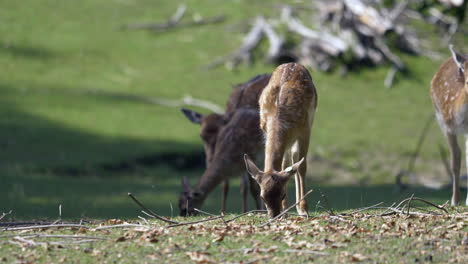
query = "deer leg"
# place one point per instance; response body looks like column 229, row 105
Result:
column 225, row 193
column 466, row 156
column 302, row 149
column 255, row 191
column 454, row 166
column 243, row 189
column 287, row 161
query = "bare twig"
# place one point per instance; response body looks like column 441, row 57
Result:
column 197, row 221
column 62, row 236
column 143, row 219
column 362, row 209
column 246, row 213
column 287, row 209
column 36, row 235
column 427, row 202
column 43, row 227
column 171, row 22
column 390, row 77
column 306, row 252
column 5, row 214
column 119, row 226
column 409, row 204
column 325, row 200
column 203, row 212
column 148, row 211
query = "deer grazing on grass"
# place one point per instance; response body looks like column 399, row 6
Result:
column 240, row 135
column 245, row 96
column 287, row 108
column 449, row 92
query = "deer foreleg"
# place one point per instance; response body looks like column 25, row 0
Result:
column 287, row 161
column 466, row 153
column 454, row 166
column 303, row 147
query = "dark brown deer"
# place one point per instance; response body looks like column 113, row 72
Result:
column 240, row 135
column 449, row 92
column 244, row 96
column 287, row 109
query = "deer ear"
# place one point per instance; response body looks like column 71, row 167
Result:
column 191, row 115
column 459, row 61
column 186, row 185
column 291, row 170
column 252, row 169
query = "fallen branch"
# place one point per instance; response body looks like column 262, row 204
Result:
column 119, row 226
column 186, row 100
column 151, row 213
column 306, row 252
column 43, row 227
column 361, row 209
column 426, row 202
column 171, row 22
column 61, row 236
column 246, row 213
column 197, row 221
column 287, row 209
column 32, row 235
column 171, row 222
column 203, row 212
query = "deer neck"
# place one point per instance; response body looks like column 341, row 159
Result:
column 274, row 148
column 211, row 178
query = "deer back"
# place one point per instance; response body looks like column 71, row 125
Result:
column 246, row 95
column 288, row 99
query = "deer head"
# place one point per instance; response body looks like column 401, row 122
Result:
column 462, row 64
column 210, row 126
column 272, row 184
column 189, row 199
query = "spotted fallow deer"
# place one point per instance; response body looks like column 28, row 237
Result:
column 240, row 135
column 287, row 108
column 244, row 96
column 449, row 92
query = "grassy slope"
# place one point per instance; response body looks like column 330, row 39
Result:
column 54, row 53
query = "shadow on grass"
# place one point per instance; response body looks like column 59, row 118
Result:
column 33, row 143
column 26, row 51
column 39, row 196
column 37, row 153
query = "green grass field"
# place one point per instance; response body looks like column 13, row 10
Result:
column 67, row 69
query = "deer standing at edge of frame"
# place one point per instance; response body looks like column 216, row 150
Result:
column 244, row 96
column 287, row 109
column 449, row 93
